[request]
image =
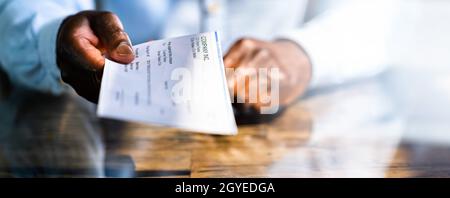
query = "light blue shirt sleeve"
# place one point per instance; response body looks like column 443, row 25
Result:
column 28, row 41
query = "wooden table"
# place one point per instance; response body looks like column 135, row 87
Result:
column 353, row 130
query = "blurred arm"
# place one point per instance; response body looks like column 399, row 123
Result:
column 347, row 42
column 28, row 37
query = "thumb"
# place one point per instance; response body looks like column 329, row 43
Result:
column 114, row 39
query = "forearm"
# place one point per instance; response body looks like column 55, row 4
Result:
column 347, row 42
column 28, row 38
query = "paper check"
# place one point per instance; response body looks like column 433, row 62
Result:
column 178, row 82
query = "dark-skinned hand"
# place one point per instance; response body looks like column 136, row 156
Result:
column 84, row 41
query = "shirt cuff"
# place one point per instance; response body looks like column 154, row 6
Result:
column 47, row 53
column 306, row 41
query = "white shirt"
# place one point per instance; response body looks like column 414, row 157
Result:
column 348, row 41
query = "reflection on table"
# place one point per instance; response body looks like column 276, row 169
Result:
column 361, row 129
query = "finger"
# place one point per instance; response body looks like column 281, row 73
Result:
column 264, row 59
column 233, row 77
column 85, row 47
column 109, row 29
column 245, row 78
column 261, row 58
column 239, row 50
column 244, row 69
column 261, row 80
column 250, row 63
column 89, row 53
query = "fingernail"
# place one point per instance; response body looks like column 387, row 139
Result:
column 124, row 49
